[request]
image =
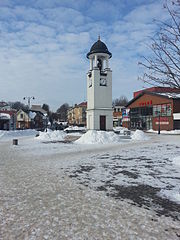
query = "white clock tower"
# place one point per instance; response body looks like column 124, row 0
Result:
column 99, row 88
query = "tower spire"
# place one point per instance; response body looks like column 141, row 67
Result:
column 99, row 37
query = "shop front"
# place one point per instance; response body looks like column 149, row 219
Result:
column 153, row 111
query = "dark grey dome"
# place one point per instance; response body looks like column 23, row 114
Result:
column 99, row 47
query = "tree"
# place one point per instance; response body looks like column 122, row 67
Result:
column 46, row 108
column 18, row 105
column 121, row 101
column 62, row 112
column 163, row 67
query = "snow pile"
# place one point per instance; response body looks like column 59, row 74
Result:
column 99, row 137
column 50, row 135
column 173, row 132
column 139, row 135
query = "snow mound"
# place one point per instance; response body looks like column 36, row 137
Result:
column 139, row 135
column 98, row 137
column 50, row 135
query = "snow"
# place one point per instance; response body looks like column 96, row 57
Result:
column 176, row 160
column 95, row 191
column 32, row 115
column 172, row 132
column 171, row 195
column 98, row 137
column 139, row 135
column 50, row 135
column 5, row 116
column 75, row 128
column 6, row 135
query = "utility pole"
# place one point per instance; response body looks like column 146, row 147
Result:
column 159, row 128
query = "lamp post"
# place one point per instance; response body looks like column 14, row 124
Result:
column 29, row 100
column 159, row 124
column 29, row 104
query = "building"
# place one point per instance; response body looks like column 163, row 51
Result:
column 99, row 88
column 117, row 115
column 40, row 120
column 23, row 121
column 7, row 119
column 77, row 115
column 153, row 108
column 4, row 106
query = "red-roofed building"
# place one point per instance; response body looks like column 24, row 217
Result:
column 7, row 119
column 155, row 107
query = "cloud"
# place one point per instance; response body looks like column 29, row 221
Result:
column 43, row 45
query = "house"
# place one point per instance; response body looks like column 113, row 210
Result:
column 155, row 108
column 7, row 119
column 40, row 120
column 77, row 115
column 23, row 121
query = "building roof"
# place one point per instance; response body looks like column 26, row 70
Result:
column 158, row 90
column 37, row 108
column 83, row 104
column 99, row 47
column 3, row 104
column 164, row 95
column 10, row 112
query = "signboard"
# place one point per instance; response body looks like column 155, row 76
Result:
column 163, row 121
column 147, row 103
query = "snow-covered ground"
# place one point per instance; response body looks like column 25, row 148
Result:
column 124, row 190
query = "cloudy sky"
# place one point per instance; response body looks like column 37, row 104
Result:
column 43, row 46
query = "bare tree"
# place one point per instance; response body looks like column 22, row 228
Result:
column 121, row 101
column 46, row 108
column 62, row 111
column 163, row 67
column 18, row 105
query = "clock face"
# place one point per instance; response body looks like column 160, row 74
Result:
column 103, row 82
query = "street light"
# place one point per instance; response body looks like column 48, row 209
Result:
column 29, row 100
column 159, row 123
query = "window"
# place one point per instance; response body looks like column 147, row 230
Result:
column 21, row 116
column 162, row 110
column 168, row 109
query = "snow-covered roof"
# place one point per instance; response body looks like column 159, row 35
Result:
column 169, row 95
column 5, row 116
column 38, row 108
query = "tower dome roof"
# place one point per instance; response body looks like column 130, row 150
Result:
column 99, row 47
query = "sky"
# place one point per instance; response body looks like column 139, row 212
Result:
column 43, row 46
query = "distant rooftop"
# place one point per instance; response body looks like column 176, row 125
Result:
column 38, row 108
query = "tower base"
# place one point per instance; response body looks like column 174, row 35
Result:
column 100, row 119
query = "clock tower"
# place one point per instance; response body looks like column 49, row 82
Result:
column 99, row 88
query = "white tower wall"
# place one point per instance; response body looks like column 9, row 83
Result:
column 99, row 96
